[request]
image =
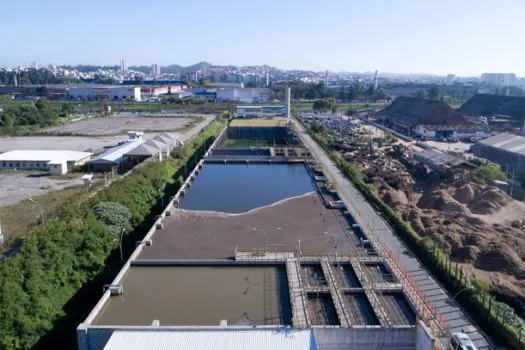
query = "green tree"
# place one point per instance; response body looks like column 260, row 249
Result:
column 422, row 93
column 434, row 93
column 490, row 172
column 317, row 128
column 115, row 215
column 42, row 104
column 67, row 108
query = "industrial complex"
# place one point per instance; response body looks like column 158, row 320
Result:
column 258, row 250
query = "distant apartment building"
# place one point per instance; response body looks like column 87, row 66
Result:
column 499, row 79
column 123, row 65
column 155, row 70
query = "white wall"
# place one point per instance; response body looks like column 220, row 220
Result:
column 246, row 95
column 422, row 131
column 112, row 93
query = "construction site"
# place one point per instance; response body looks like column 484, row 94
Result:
column 294, row 260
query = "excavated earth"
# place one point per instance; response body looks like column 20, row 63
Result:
column 479, row 226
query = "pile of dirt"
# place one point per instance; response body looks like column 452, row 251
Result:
column 466, row 193
column 441, row 200
column 457, row 220
column 489, row 201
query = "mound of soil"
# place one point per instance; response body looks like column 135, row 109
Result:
column 395, row 198
column 500, row 257
column 442, row 201
column 466, row 254
column 466, row 193
column 489, row 201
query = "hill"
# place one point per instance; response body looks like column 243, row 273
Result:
column 173, row 68
column 423, row 111
column 490, row 105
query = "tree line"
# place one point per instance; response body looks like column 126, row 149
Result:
column 31, row 77
column 346, row 93
column 37, row 115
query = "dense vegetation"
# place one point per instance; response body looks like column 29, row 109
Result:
column 324, row 105
column 496, row 318
column 43, row 287
column 30, row 77
column 27, row 117
column 490, row 172
column 356, row 91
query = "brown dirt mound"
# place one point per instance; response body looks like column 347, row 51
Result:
column 465, row 194
column 395, row 198
column 489, row 201
column 441, row 200
column 500, row 257
column 466, row 254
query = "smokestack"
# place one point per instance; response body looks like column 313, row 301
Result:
column 288, row 106
column 267, row 78
column 375, row 81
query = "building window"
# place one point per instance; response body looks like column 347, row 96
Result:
column 18, row 164
column 3, row 164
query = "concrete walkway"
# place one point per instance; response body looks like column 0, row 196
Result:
column 457, row 320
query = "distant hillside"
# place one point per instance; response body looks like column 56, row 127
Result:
column 489, row 105
column 172, row 68
column 422, row 111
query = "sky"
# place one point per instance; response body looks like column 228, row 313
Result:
column 462, row 37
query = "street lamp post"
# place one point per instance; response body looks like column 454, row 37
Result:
column 120, row 244
column 40, row 208
column 469, row 287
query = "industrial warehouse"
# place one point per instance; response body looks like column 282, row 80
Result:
column 134, row 151
column 56, row 162
column 506, row 150
column 237, row 259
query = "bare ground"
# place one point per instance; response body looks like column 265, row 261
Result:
column 15, row 187
column 121, row 125
column 210, row 235
column 479, row 226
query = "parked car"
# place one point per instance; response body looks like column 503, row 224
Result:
column 461, row 341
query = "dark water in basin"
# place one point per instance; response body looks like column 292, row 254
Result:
column 237, row 188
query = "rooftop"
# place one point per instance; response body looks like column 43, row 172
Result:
column 490, row 105
column 439, row 158
column 44, row 155
column 414, row 110
column 505, row 141
column 115, row 153
column 284, row 339
column 259, row 122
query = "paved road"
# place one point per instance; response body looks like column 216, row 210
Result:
column 456, row 319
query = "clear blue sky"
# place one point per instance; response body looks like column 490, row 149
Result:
column 464, row 37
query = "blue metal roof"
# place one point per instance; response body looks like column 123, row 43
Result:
column 116, row 154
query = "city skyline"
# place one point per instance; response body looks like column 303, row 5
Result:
column 466, row 39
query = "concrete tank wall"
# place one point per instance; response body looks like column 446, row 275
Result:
column 248, row 132
column 366, row 338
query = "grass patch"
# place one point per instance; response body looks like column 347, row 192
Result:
column 20, row 218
